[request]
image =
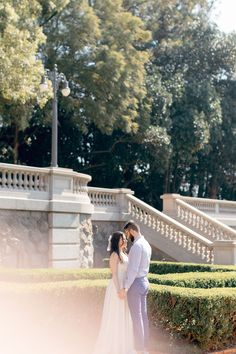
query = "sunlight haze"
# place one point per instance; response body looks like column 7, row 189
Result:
column 224, row 15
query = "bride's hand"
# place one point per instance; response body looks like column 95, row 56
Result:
column 122, row 294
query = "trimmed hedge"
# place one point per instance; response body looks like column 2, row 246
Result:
column 49, row 298
column 196, row 280
column 51, row 275
column 206, row 317
column 178, row 267
column 45, row 318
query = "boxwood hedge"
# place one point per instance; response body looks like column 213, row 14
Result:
column 196, row 280
column 205, row 316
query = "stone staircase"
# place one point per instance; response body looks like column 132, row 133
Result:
column 169, row 235
column 182, row 231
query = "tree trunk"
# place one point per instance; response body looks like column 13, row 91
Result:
column 213, row 188
column 16, row 144
column 167, row 180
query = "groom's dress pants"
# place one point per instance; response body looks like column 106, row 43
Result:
column 137, row 300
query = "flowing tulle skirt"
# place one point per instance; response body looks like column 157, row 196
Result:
column 116, row 331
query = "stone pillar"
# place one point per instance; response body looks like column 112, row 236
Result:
column 169, row 207
column 123, row 203
column 225, row 252
column 70, row 230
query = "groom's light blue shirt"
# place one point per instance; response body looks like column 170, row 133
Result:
column 139, row 261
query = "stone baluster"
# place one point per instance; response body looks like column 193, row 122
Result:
column 15, row 180
column 9, row 179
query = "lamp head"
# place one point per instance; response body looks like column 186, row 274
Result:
column 65, row 89
column 44, row 85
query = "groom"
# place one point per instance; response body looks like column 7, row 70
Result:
column 136, row 285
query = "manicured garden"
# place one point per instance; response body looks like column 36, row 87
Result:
column 57, row 308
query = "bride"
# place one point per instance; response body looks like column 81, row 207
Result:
column 116, row 331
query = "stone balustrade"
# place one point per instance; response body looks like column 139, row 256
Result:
column 22, row 178
column 49, row 211
column 42, row 183
column 213, row 206
column 170, row 229
column 109, row 204
column 184, row 210
column 103, row 197
column 202, row 223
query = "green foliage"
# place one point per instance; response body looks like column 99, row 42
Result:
column 20, row 38
column 51, row 275
column 152, row 93
column 197, row 280
column 98, row 54
column 20, row 67
column 205, row 316
column 180, row 267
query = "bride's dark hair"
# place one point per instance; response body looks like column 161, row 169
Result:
column 115, row 239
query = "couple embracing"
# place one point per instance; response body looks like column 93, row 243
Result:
column 124, row 327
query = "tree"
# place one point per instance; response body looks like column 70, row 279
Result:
column 20, row 67
column 95, row 47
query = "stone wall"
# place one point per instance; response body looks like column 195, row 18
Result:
column 23, row 238
column 158, row 255
column 101, row 232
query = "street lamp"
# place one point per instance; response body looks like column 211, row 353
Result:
column 57, row 79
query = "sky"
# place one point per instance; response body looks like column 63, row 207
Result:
column 225, row 15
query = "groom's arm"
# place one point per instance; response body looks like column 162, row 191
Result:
column 135, row 256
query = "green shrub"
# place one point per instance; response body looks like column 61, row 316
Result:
column 51, row 275
column 59, row 317
column 196, row 280
column 206, row 317
column 178, row 267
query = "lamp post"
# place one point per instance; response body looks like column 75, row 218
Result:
column 57, row 79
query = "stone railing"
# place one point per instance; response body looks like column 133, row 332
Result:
column 185, row 210
column 170, row 229
column 44, row 181
column 15, row 177
column 213, row 206
column 104, row 197
column 202, row 223
column 109, row 204
column 80, row 185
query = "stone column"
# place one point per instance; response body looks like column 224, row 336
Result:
column 169, row 206
column 225, row 252
column 70, row 235
column 123, row 203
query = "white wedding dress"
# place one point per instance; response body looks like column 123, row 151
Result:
column 116, row 330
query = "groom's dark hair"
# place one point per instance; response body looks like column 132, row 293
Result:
column 132, row 225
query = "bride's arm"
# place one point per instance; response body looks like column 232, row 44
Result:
column 114, row 261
